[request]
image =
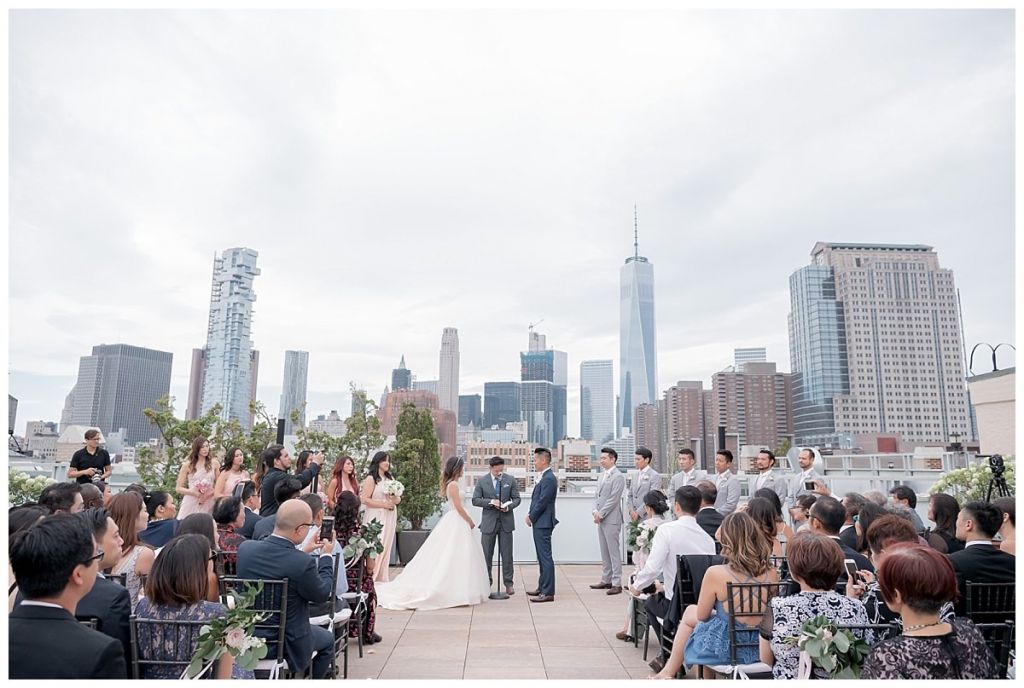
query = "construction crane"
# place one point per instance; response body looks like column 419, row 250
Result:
column 532, row 325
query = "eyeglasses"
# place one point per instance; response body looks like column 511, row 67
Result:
column 96, row 557
column 305, row 525
column 213, row 555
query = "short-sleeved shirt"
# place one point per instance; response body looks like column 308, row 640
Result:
column 83, row 460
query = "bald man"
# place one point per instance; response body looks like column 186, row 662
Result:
column 309, row 581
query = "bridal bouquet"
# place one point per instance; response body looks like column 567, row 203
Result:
column 640, row 537
column 823, row 645
column 367, row 539
column 204, row 486
column 232, row 634
column 393, row 488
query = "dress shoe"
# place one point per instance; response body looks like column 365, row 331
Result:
column 657, row 664
column 372, row 640
column 509, row 590
column 543, row 598
column 622, row 635
column 614, row 590
column 601, row 586
column 532, row 593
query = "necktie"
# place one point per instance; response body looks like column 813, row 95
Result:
column 497, row 488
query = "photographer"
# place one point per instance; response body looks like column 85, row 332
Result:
column 90, row 461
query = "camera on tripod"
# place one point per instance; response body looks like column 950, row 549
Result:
column 997, row 483
column 996, row 465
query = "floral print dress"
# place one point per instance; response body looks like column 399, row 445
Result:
column 365, row 585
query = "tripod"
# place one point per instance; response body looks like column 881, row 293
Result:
column 997, row 483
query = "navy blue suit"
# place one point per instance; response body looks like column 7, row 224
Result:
column 309, row 580
column 542, row 515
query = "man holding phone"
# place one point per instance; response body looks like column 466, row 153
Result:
column 804, row 483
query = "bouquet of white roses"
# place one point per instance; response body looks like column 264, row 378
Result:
column 644, row 537
column 203, row 486
column 822, row 644
column 393, row 488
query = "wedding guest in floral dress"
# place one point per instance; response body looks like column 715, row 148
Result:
column 229, row 516
column 381, row 506
column 129, row 512
column 347, row 524
column 200, row 473
column 175, row 591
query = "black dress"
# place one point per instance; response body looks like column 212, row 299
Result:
column 961, row 654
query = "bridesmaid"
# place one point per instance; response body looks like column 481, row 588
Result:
column 232, row 472
column 200, row 473
column 382, row 507
column 343, row 479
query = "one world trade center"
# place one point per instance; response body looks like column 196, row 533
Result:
column 638, row 367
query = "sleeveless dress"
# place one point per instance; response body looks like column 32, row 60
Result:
column 448, row 571
column 131, row 580
column 189, row 504
column 388, row 517
column 708, row 645
column 233, row 479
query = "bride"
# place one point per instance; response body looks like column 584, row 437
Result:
column 449, row 569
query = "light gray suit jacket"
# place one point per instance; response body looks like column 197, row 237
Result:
column 645, row 481
column 728, row 494
column 493, row 517
column 775, row 482
column 608, row 500
column 796, row 486
column 679, row 480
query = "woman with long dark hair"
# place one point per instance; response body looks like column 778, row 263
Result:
column 347, row 524
column 381, row 506
column 449, row 569
column 129, row 513
column 196, row 479
column 232, row 472
column 162, row 522
column 343, row 479
column 942, row 511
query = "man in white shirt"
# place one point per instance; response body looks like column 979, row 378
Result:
column 647, row 479
column 798, row 484
column 688, row 473
column 768, row 478
column 608, row 517
column 727, row 484
column 671, row 539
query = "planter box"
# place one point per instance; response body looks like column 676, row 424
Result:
column 409, row 542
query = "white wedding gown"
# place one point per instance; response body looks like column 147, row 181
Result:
column 448, row 570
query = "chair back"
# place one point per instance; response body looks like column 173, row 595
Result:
column 999, row 638
column 271, row 601
column 684, row 582
column 780, row 565
column 990, row 602
column 161, row 648
column 746, row 604
column 119, row 578
column 226, row 563
column 93, row 622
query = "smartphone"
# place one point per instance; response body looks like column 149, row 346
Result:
column 851, row 569
column 809, row 485
column 327, row 528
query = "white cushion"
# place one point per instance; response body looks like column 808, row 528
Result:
column 340, row 616
column 748, row 669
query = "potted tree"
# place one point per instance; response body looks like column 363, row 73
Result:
column 416, row 464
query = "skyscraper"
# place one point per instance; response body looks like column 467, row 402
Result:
column 227, row 378
column 875, row 347
column 470, row 410
column 12, row 414
column 638, row 366
column 195, row 384
column 597, row 401
column 647, row 427
column 115, row 384
column 749, row 355
column 293, row 389
column 502, row 404
column 401, row 377
column 687, row 421
column 755, row 403
column 544, row 399
column 448, row 379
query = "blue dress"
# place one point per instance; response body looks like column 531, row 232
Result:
column 708, row 645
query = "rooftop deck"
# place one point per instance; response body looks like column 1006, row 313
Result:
column 570, row 638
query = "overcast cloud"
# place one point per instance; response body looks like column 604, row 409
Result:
column 401, row 172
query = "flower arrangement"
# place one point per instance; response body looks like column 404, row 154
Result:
column 822, row 644
column 641, row 535
column 971, row 483
column 367, row 539
column 232, row 634
column 22, row 488
column 203, row 486
column 393, row 488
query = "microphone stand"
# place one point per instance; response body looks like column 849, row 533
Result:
column 498, row 594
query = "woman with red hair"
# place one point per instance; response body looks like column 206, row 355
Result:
column 343, row 479
column 916, row 581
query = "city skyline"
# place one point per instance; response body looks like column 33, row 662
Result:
column 727, row 217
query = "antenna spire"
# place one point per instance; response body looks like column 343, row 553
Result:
column 636, row 235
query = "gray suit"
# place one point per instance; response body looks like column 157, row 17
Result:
column 680, row 480
column 796, row 485
column 608, row 505
column 728, row 493
column 775, row 482
column 646, row 480
column 497, row 524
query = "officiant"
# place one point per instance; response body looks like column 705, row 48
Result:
column 497, row 494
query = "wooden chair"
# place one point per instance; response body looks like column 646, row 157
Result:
column 273, row 601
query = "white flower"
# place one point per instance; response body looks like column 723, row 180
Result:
column 235, row 638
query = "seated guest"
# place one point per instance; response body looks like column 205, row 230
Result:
column 705, row 518
column 783, row 528
column 284, row 489
column 869, row 513
column 251, row 499
column 201, row 523
column 55, row 562
column 905, row 497
column 229, row 516
column 655, row 513
column 826, row 517
column 316, row 506
column 703, row 635
column 136, row 559
column 852, row 502
column 884, row 533
column 815, row 562
column 347, row 523
column 138, row 488
column 1008, row 531
column 942, row 511
column 104, row 489
column 800, row 510
column 309, row 580
column 92, row 496
column 163, row 522
column 763, row 513
column 877, row 497
column 19, row 518
column 65, row 497
column 916, row 582
column 979, row 561
column 176, row 591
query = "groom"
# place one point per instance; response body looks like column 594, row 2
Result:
column 493, row 490
column 542, row 520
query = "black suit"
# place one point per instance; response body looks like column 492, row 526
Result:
column 111, row 605
column 849, row 537
column 309, row 581
column 264, row 527
column 709, row 519
column 268, row 502
column 49, row 643
column 850, row 553
column 251, row 519
column 980, row 564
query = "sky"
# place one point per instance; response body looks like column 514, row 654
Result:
column 401, row 172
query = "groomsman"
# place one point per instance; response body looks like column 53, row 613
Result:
column 727, row 484
column 768, row 478
column 798, row 484
column 608, row 517
column 688, row 473
column 647, row 479
column 542, row 519
column 497, row 522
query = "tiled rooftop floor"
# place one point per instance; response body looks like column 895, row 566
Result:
column 570, row 638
